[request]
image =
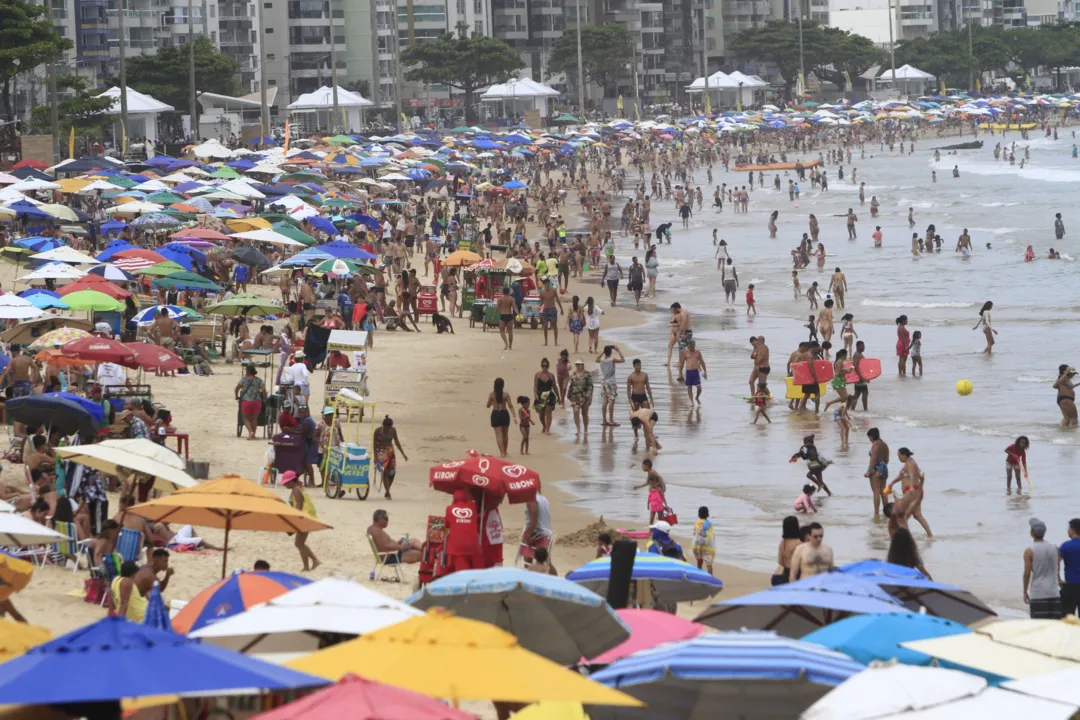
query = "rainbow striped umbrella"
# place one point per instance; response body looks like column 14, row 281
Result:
column 232, row 596
column 674, row 580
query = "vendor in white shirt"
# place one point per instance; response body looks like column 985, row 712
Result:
column 300, row 375
column 111, row 375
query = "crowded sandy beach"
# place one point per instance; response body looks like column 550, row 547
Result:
column 635, row 399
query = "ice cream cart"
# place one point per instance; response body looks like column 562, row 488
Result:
column 352, row 344
column 347, row 465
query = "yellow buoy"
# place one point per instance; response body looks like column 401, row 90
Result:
column 964, row 387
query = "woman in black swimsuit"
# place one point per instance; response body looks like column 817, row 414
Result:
column 1066, row 395
column 546, row 397
column 501, row 406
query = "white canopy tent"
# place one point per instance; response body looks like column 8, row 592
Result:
column 522, row 94
column 910, row 80
column 322, row 101
column 142, row 112
column 729, row 89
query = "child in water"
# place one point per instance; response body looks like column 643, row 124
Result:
column 815, row 464
column 805, row 503
column 915, row 352
column 841, row 418
column 760, row 400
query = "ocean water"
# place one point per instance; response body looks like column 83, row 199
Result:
column 713, row 456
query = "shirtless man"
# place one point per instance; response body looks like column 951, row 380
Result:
column 862, row 385
column 963, row 244
column 406, row 550
column 878, row 472
column 761, row 359
column 41, row 455
column 564, row 268
column 852, row 218
column 813, row 557
column 681, row 326
column 645, row 420
column 838, row 287
column 638, row 389
column 505, row 305
column 550, row 309
column 147, row 575
column 805, row 353
column 307, row 298
column 23, row 374
column 285, row 285
column 691, row 360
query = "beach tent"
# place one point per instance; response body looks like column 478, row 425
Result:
column 313, row 106
column 143, row 111
column 519, row 95
column 910, row 80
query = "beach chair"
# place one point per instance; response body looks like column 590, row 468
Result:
column 129, row 544
column 381, row 564
column 73, row 546
column 36, row 554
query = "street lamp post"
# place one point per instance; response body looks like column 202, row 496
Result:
column 802, row 67
column 193, row 114
column 892, row 49
column 580, row 70
column 123, row 78
column 264, row 113
column 333, row 67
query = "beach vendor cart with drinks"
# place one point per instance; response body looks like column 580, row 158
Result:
column 347, row 462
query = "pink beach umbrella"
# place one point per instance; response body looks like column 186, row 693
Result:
column 648, row 628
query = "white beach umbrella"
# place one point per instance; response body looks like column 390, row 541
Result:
column 267, row 236
column 13, row 307
column 138, row 455
column 6, row 507
column 135, row 208
column 66, row 254
column 294, row 623
column 33, row 184
column 54, row 271
column 17, row 530
column 889, row 689
column 97, row 186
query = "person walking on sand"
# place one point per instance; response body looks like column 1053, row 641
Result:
column 878, row 472
column 592, row 324
column 838, row 286
column 681, row 327
column 609, row 387
column 580, row 395
column 507, row 310
column 730, row 280
column 611, row 277
column 638, row 389
column 300, row 500
column 637, row 281
column 988, row 329
column 575, row 322
column 913, row 483
column 501, row 404
column 691, row 360
column 546, row 395
column 550, row 309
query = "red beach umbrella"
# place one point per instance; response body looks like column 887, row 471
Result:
column 99, row 350
column 201, row 233
column 154, row 357
column 498, row 478
column 359, row 699
column 95, row 282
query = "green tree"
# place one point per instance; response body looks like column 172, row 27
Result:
column 82, row 109
column 465, row 63
column 28, row 39
column 362, row 86
column 165, row 74
column 844, row 52
column 945, row 56
column 605, row 52
column 777, row 43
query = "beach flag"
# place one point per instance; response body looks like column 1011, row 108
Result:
column 71, row 143
column 344, row 122
column 978, row 85
column 800, row 86
column 618, row 103
column 941, row 86
column 637, row 114
column 708, row 104
column 123, row 139
column 847, row 83
column 287, row 123
column 404, row 121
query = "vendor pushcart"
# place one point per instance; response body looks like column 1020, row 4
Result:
column 348, row 367
column 347, row 465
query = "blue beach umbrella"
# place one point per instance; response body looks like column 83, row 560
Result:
column 38, row 244
column 800, row 607
column 345, row 249
column 919, row 593
column 157, row 615
column 56, row 410
column 747, row 674
column 113, row 226
column 111, row 272
column 674, row 580
column 114, row 659
column 46, row 302
column 112, row 248
column 147, row 315
column 867, row 638
column 515, row 185
column 322, row 224
column 550, row 616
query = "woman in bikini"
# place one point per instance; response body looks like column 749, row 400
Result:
column 838, row 382
column 913, row 482
column 820, row 256
column 575, row 322
column 1066, row 394
column 825, row 321
column 562, row 375
column 988, row 329
column 501, row 404
column 847, row 331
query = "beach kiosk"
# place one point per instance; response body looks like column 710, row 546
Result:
column 347, row 465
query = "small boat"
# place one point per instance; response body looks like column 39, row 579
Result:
column 974, row 145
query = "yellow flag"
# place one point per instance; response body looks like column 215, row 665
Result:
column 708, row 105
column 637, row 114
column 404, row 122
column 287, row 136
column 978, row 85
column 123, row 140
column 941, row 86
column 800, row 85
column 847, row 82
column 738, row 99
column 618, row 103
column 71, row 143
column 344, row 122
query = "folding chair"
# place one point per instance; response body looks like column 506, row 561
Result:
column 381, row 564
column 129, row 544
column 72, row 547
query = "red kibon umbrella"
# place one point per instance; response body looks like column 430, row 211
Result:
column 95, row 282
column 495, row 477
column 35, row 164
column 359, row 699
column 99, row 350
column 154, row 357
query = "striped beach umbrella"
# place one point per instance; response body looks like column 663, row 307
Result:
column 674, row 580
column 233, row 595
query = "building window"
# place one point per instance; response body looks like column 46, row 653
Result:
column 269, row 31
column 478, row 7
column 271, row 82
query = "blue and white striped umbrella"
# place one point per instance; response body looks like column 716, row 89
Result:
column 146, row 316
column 155, row 220
column 550, row 616
column 745, row 674
column 674, row 580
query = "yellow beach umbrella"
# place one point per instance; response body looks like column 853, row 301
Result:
column 230, row 503
column 16, row 638
column 72, row 185
column 445, row 656
column 245, row 224
column 552, row 711
column 461, row 258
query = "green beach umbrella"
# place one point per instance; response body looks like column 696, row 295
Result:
column 279, row 219
column 460, row 130
column 121, row 181
column 162, row 269
column 293, row 233
column 245, row 305
column 165, row 198
column 225, row 173
column 341, row 140
column 304, row 177
column 567, row 118
column 338, row 203
column 186, row 281
column 341, row 266
column 92, row 300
